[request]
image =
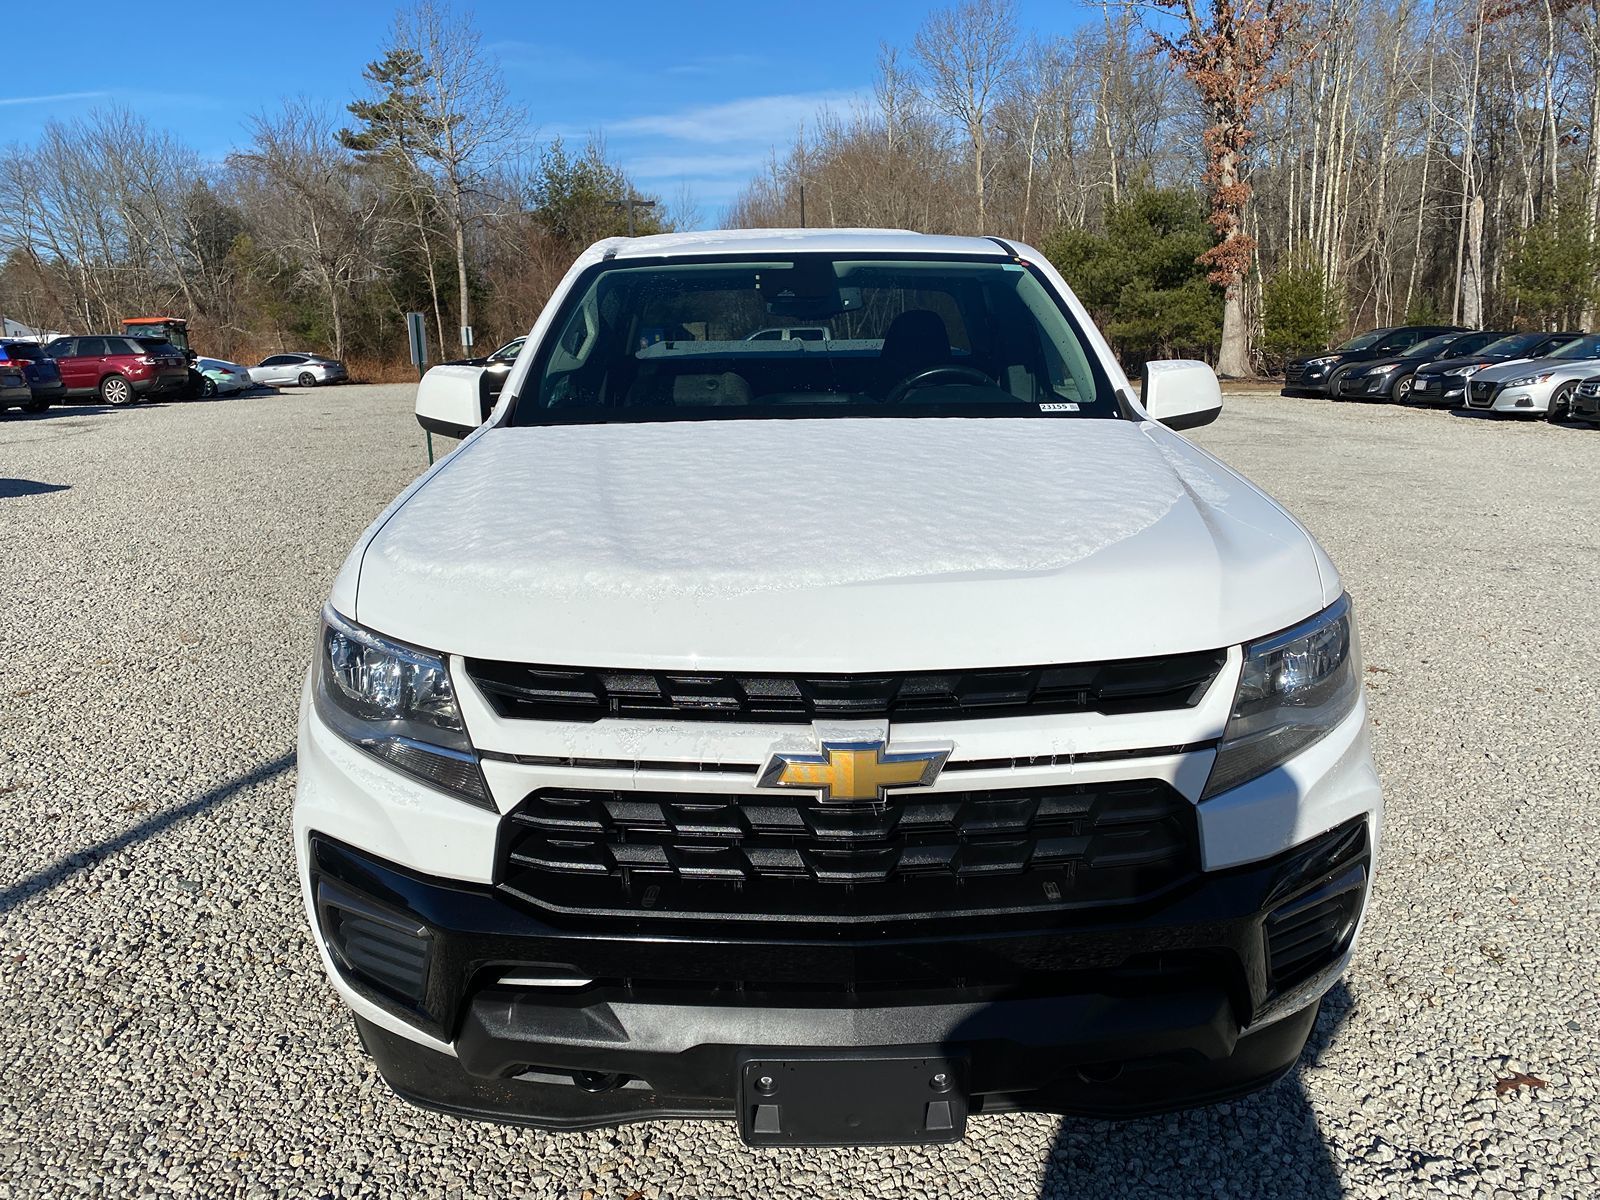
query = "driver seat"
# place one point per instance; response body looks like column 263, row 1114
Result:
column 915, row 340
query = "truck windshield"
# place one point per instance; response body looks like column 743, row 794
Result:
column 704, row 340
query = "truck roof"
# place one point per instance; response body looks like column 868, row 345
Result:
column 790, row 241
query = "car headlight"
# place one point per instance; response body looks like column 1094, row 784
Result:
column 397, row 703
column 1296, row 686
column 1322, row 362
column 1469, row 370
column 1525, row 380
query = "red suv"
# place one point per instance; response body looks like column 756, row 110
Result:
column 118, row 368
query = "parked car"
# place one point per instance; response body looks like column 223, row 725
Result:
column 1586, row 401
column 120, row 369
column 38, row 370
column 1390, row 378
column 222, row 378
column 305, row 370
column 806, row 784
column 1536, row 386
column 14, row 389
column 496, row 367
column 792, row 333
column 1317, row 375
column 1444, row 382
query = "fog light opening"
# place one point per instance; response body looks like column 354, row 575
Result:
column 596, row 1081
column 1100, row 1072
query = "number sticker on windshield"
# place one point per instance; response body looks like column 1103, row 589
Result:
column 1062, row 407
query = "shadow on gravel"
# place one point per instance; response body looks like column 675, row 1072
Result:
column 67, row 409
column 12, row 488
column 1267, row 1144
column 68, row 865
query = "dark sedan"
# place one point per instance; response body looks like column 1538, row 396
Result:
column 1445, row 382
column 1391, row 378
column 1317, row 375
column 1585, row 404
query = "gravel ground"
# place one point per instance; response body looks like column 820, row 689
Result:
column 170, row 1030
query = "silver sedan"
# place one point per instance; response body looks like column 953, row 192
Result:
column 306, row 370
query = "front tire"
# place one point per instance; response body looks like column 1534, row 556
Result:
column 1334, row 382
column 1401, row 393
column 36, row 406
column 1559, row 410
column 307, row 379
column 115, row 391
column 208, row 389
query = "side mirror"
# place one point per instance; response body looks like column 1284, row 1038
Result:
column 448, row 401
column 1181, row 393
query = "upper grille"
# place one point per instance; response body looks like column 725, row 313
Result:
column 1294, row 372
column 1481, row 395
column 591, row 693
column 773, row 855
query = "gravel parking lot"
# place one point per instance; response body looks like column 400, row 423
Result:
column 168, row 1028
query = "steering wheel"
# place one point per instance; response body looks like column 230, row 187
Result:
column 927, row 375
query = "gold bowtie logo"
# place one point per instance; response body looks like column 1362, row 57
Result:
column 847, row 771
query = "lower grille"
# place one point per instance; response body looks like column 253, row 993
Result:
column 760, row 855
column 377, row 948
column 1309, row 933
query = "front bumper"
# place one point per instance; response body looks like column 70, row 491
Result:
column 1527, row 399
column 1441, row 390
column 1585, row 407
column 1172, row 1006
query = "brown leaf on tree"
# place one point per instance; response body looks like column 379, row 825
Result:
column 1512, row 1083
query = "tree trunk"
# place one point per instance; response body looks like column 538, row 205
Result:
column 1233, row 361
column 458, row 220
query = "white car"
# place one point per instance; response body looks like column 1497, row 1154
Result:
column 298, row 370
column 835, row 737
column 222, row 378
column 1539, row 387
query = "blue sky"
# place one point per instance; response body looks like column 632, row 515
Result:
column 693, row 93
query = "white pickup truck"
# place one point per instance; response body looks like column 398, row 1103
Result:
column 840, row 736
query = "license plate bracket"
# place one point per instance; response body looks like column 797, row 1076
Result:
column 910, row 1096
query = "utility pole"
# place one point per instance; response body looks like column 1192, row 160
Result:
column 802, row 206
column 630, row 203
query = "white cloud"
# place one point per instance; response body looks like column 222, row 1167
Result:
column 52, row 99
column 674, row 166
column 765, row 119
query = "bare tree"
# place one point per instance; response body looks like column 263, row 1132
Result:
column 968, row 56
column 464, row 119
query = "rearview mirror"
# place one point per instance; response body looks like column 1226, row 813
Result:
column 449, row 401
column 1181, row 393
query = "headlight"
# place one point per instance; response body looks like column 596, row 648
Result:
column 397, row 703
column 1525, row 380
column 1473, row 369
column 1322, row 362
column 1296, row 686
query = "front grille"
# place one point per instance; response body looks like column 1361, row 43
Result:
column 794, row 857
column 591, row 693
column 1589, row 387
column 1481, row 395
column 1294, row 372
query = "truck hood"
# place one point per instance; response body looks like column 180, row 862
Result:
column 835, row 545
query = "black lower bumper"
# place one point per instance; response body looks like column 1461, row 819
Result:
column 1109, row 1015
column 1305, row 391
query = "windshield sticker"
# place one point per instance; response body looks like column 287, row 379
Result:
column 1058, row 408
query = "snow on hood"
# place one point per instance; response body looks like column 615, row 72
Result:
column 780, row 543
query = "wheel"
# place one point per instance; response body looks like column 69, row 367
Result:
column 1401, row 392
column 1560, row 407
column 1334, row 381
column 36, row 406
column 115, row 390
column 307, row 379
column 208, row 389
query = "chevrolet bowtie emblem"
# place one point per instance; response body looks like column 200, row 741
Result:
column 847, row 771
